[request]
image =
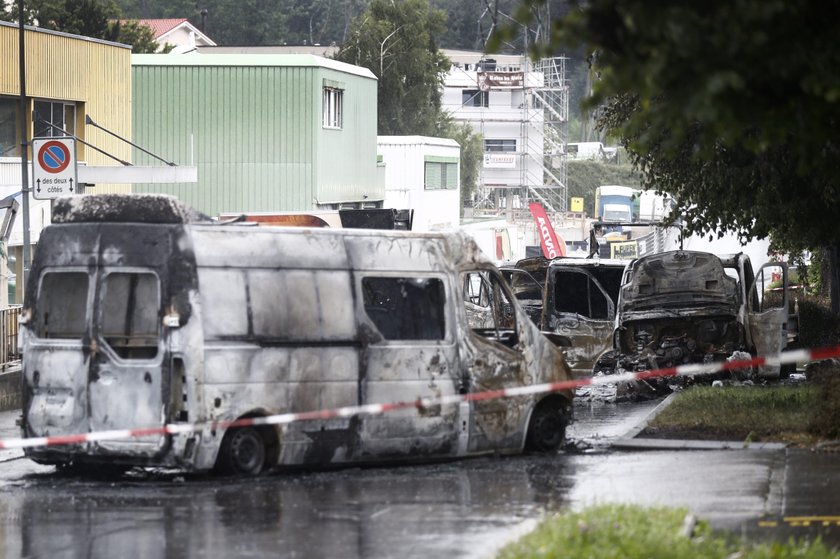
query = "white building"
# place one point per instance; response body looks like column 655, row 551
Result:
column 178, row 32
column 423, row 174
column 520, row 109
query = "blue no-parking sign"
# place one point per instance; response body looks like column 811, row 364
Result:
column 53, row 168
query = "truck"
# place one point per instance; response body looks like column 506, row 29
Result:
column 614, row 203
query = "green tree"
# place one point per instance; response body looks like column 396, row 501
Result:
column 99, row 19
column 140, row 37
column 583, row 177
column 729, row 105
column 463, row 21
column 89, row 18
column 472, row 153
column 395, row 39
column 319, row 21
column 244, row 22
column 155, row 9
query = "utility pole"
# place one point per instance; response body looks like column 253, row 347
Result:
column 24, row 148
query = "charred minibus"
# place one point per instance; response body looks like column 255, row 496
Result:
column 140, row 312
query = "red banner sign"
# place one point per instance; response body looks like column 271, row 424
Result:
column 501, row 80
column 552, row 246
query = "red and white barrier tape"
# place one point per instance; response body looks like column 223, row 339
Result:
column 797, row 356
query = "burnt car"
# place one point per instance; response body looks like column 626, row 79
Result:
column 573, row 301
column 684, row 307
column 579, row 310
column 527, row 281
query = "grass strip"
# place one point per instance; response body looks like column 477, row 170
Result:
column 631, row 532
column 750, row 413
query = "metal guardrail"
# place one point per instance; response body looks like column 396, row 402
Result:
column 9, row 327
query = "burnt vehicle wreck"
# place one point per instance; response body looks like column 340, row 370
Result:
column 141, row 313
column 573, row 301
column 580, row 310
column 684, row 307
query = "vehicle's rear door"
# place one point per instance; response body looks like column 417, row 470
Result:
column 56, row 365
column 127, row 364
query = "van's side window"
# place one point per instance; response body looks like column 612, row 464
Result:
column 130, row 324
column 61, row 308
column 406, row 308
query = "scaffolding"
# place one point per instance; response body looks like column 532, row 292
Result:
column 540, row 151
column 553, row 100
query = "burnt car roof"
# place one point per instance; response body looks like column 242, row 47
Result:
column 124, row 208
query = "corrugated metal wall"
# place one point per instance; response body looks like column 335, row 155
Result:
column 95, row 74
column 253, row 131
column 347, row 157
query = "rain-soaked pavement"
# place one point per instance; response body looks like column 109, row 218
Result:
column 462, row 509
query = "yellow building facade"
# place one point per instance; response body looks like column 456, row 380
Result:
column 67, row 79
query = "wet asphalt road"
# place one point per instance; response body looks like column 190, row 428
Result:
column 461, row 509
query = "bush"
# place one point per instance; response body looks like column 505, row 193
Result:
column 817, row 326
column 825, row 414
column 633, row 532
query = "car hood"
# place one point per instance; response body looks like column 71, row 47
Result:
column 678, row 279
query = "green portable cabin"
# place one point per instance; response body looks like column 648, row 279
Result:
column 267, row 132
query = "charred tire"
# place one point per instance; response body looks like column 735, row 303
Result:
column 243, row 452
column 547, row 429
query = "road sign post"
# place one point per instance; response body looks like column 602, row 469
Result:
column 54, row 171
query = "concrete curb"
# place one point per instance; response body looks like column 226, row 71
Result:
column 630, row 440
column 682, row 444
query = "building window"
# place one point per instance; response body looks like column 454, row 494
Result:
column 61, row 115
column 441, row 173
column 475, row 98
column 500, row 145
column 9, row 140
column 333, row 104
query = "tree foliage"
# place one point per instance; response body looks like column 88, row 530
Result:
column 90, row 18
column 244, row 22
column 395, row 39
column 472, row 154
column 584, row 176
column 729, row 105
column 140, row 37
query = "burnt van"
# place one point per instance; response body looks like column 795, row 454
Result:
column 140, row 313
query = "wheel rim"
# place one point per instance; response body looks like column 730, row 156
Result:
column 247, row 451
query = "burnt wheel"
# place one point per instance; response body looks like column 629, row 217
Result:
column 547, row 429
column 243, row 452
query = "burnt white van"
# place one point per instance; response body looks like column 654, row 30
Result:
column 140, row 313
